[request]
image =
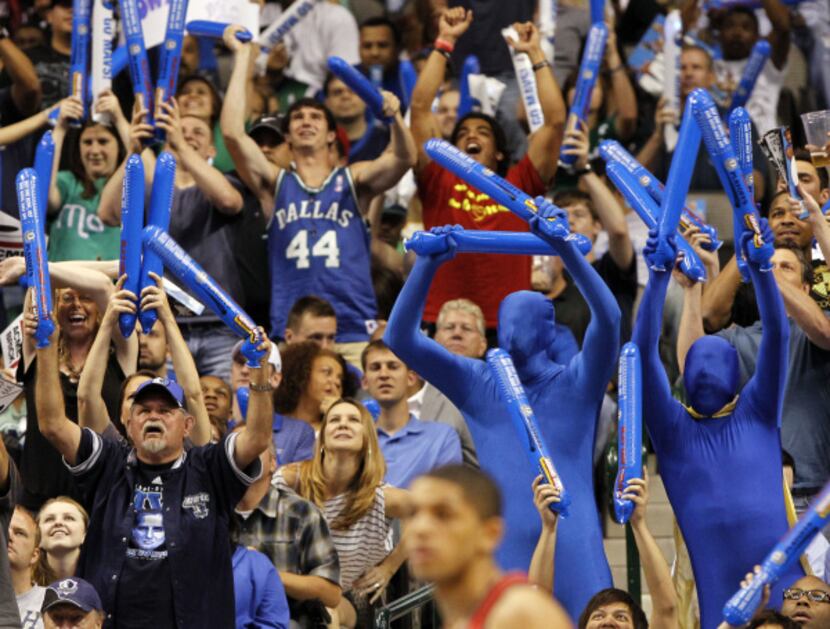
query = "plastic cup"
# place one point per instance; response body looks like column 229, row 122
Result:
column 816, row 126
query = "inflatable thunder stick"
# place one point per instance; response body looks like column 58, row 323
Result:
column 137, row 56
column 171, row 55
column 513, row 395
column 505, row 193
column 280, row 27
column 215, row 30
column 243, row 395
column 672, row 43
column 588, row 74
column 44, row 157
column 647, row 210
column 630, row 428
column 34, row 251
column 526, row 78
column 475, row 241
column 161, row 198
column 465, row 99
column 740, row 134
column 613, row 150
column 103, row 28
column 597, row 11
column 726, row 164
column 132, row 220
column 79, row 53
column 359, row 84
column 677, row 187
column 742, row 606
column 408, row 77
column 752, row 70
column 188, row 271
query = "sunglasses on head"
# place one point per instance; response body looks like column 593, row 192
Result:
column 817, row 596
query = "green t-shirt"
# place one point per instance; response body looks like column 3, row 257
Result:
column 77, row 233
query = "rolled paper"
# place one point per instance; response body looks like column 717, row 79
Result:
column 723, row 157
column 513, row 395
column 613, row 150
column 647, row 209
column 547, row 26
column 44, row 158
column 672, row 42
column 215, row 30
column 103, row 28
column 465, row 100
column 588, row 74
column 171, row 56
column 34, row 251
column 161, row 199
column 243, row 394
column 677, row 187
column 497, row 188
column 629, row 428
column 359, row 84
column 475, row 241
column 752, row 70
column 137, row 56
column 79, row 53
column 132, row 220
column 742, row 606
column 278, row 29
column 408, row 77
column 188, row 271
column 526, row 78
column 597, row 11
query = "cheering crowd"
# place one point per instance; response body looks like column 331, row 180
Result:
column 158, row 470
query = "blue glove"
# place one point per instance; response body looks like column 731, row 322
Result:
column 550, row 221
column 650, row 249
column 758, row 252
column 446, row 233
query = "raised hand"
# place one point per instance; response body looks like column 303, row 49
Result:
column 545, row 495
column 636, row 490
column 576, row 143
column 550, row 221
column 230, row 40
column 153, row 297
column 529, row 39
column 121, row 302
column 391, row 104
column 71, row 109
column 169, row 119
column 445, row 233
column 107, row 103
column 140, row 131
column 453, row 23
column 651, row 248
column 757, row 252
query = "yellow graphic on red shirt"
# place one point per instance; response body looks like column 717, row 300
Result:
column 477, row 204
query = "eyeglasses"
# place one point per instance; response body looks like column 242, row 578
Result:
column 817, row 596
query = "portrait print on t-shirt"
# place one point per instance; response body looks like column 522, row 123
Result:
column 147, row 539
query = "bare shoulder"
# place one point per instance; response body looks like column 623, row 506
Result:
column 530, row 608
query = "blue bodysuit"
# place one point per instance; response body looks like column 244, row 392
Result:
column 720, row 460
column 566, row 400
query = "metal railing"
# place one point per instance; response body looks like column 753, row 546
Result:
column 403, row 606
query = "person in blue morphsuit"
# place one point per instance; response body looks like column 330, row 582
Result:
column 565, row 397
column 720, row 457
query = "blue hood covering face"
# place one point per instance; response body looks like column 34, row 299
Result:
column 526, row 324
column 711, row 374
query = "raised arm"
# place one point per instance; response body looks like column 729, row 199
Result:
column 452, row 24
column 602, row 337
column 646, row 335
column 253, row 167
column 154, row 298
column 422, row 354
column 621, row 92
column 210, row 181
column 542, row 563
column 719, row 297
column 779, row 36
column 543, row 144
column 19, row 130
column 53, row 424
column 765, row 388
column 817, row 220
column 691, row 318
column 376, row 177
column 26, row 91
column 70, row 109
column 658, row 575
column 92, row 411
column 256, row 435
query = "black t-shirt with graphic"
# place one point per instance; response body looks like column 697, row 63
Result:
column 145, row 592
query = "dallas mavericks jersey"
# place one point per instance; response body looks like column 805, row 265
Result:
column 318, row 245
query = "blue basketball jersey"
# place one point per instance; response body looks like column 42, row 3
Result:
column 318, row 245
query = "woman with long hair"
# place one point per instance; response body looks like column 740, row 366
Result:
column 312, row 378
column 77, row 231
column 345, row 479
column 62, row 524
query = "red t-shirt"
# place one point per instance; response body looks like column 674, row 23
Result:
column 485, row 279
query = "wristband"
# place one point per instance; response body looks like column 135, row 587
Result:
column 583, row 171
column 443, row 53
column 443, row 45
column 542, row 64
column 261, row 388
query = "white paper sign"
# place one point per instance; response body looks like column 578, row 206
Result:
column 11, row 343
column 153, row 15
column 11, row 237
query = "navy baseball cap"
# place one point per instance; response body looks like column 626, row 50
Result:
column 72, row 591
column 164, row 385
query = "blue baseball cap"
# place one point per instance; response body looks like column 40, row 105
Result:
column 72, row 591
column 164, row 385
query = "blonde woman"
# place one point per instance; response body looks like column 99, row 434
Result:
column 345, row 479
column 62, row 524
